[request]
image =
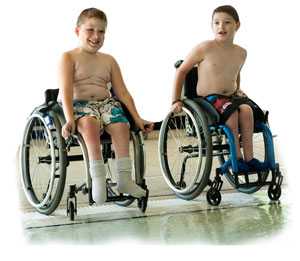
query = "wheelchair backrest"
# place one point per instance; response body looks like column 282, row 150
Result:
column 190, row 92
column 190, row 83
column 51, row 95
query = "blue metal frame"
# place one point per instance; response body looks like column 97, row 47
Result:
column 269, row 146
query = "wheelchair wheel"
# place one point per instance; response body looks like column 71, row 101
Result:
column 136, row 154
column 71, row 211
column 259, row 140
column 185, row 152
column 213, row 197
column 43, row 162
column 274, row 192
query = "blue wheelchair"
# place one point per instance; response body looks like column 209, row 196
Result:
column 45, row 156
column 190, row 140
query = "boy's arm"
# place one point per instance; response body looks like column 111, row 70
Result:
column 193, row 58
column 66, row 72
column 124, row 96
column 238, row 91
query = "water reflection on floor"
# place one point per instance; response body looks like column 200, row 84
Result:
column 238, row 225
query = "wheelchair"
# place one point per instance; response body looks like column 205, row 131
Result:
column 45, row 156
column 190, row 140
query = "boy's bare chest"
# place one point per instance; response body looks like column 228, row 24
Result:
column 91, row 67
column 221, row 63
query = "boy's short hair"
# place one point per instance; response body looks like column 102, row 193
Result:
column 91, row 13
column 228, row 9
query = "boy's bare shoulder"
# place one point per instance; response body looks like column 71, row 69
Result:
column 67, row 57
column 70, row 55
column 205, row 45
column 108, row 58
column 199, row 52
column 241, row 50
column 104, row 55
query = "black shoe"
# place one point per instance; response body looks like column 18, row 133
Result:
column 242, row 166
column 257, row 166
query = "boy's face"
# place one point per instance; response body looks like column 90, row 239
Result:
column 224, row 27
column 91, row 34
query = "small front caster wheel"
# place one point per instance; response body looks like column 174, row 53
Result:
column 213, row 197
column 143, row 202
column 274, row 192
column 71, row 210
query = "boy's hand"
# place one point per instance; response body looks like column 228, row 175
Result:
column 68, row 129
column 177, row 107
column 145, row 126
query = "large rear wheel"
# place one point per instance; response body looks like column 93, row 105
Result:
column 43, row 162
column 185, row 152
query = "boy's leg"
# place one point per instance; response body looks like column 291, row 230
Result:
column 246, row 120
column 246, row 127
column 233, row 124
column 89, row 128
column 120, row 137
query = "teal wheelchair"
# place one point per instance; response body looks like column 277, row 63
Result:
column 45, row 156
column 189, row 141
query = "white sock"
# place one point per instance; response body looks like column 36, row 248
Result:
column 98, row 175
column 125, row 182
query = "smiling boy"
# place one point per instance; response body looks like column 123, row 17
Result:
column 86, row 79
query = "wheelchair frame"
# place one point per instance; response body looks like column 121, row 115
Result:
column 43, row 131
column 202, row 138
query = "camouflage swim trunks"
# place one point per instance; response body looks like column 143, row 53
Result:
column 106, row 111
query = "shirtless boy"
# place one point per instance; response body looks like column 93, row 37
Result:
column 219, row 63
column 86, row 77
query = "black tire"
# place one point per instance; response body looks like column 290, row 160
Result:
column 43, row 162
column 274, row 192
column 71, row 211
column 143, row 202
column 185, row 147
column 213, row 197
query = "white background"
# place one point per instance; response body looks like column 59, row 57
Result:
column 146, row 37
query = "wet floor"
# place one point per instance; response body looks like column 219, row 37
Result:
column 245, row 221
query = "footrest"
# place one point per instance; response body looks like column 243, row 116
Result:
column 247, row 185
column 247, row 182
column 120, row 197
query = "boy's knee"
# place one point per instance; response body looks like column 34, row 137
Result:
column 232, row 121
column 88, row 123
column 245, row 109
column 119, row 128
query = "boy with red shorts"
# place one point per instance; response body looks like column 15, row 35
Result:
column 219, row 62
